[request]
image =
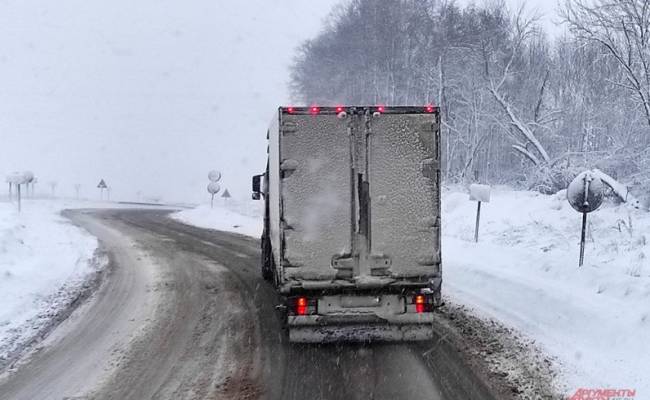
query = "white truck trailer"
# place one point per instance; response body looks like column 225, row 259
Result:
column 351, row 234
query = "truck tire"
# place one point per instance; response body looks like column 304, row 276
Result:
column 267, row 260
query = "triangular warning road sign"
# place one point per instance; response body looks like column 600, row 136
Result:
column 226, row 194
column 102, row 185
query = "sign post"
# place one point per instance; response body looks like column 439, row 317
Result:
column 101, row 186
column 213, row 187
column 17, row 179
column 226, row 195
column 34, row 187
column 19, row 201
column 480, row 194
column 478, row 221
column 585, row 194
column 53, row 186
column 29, row 180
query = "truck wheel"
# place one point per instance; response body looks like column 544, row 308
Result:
column 267, row 260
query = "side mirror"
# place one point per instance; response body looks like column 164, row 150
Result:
column 257, row 187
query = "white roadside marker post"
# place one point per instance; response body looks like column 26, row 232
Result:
column 19, row 203
column 480, row 194
column 53, row 186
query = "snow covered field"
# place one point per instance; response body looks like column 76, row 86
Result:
column 594, row 320
column 43, row 259
column 245, row 218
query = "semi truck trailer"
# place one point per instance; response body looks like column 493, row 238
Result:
column 351, row 236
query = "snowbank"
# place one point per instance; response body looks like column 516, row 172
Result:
column 245, row 218
column 524, row 272
column 42, row 259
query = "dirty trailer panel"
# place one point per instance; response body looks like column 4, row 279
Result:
column 403, row 173
column 353, row 219
column 315, row 190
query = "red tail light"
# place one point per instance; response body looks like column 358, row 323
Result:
column 380, row 109
column 301, row 306
column 429, row 108
column 290, row 110
column 339, row 109
column 314, row 110
column 420, row 303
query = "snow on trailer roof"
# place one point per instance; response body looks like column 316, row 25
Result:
column 333, row 110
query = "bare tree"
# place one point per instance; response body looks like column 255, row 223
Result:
column 515, row 106
column 622, row 27
column 499, row 69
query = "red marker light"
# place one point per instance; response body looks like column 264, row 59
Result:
column 301, row 306
column 380, row 109
column 290, row 110
column 339, row 109
column 429, row 108
column 419, row 303
column 314, row 110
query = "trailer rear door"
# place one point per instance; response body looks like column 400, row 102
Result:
column 360, row 197
column 315, row 180
column 403, row 175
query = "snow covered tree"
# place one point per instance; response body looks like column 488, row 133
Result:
column 516, row 108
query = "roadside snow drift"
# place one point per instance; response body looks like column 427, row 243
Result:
column 524, row 272
column 42, row 258
column 245, row 218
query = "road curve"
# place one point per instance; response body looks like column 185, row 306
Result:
column 184, row 314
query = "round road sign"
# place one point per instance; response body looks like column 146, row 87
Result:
column 213, row 188
column 214, row 176
column 585, row 192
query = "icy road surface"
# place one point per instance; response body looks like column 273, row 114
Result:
column 184, row 314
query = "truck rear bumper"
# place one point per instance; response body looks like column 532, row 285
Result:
column 360, row 328
column 352, row 319
column 360, row 333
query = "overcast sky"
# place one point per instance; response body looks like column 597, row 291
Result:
column 148, row 94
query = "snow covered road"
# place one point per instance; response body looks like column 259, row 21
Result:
column 185, row 314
